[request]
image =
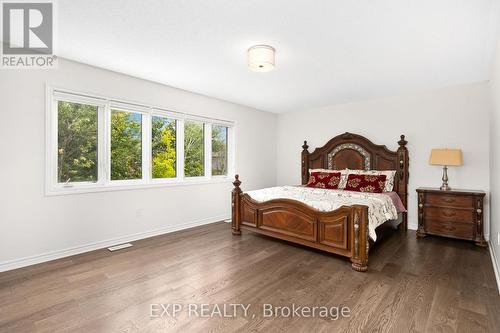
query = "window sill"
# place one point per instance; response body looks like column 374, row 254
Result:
column 96, row 188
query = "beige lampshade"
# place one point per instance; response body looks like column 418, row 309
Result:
column 449, row 157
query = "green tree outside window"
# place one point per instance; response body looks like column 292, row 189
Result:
column 219, row 150
column 77, row 142
column 126, row 145
column 194, row 163
column 163, row 147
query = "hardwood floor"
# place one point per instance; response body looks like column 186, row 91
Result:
column 408, row 287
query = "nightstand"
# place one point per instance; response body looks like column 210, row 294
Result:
column 455, row 214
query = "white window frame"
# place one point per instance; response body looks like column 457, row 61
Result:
column 204, row 177
column 104, row 182
column 145, row 142
column 179, row 151
column 229, row 149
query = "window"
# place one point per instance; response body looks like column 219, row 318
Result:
column 219, row 150
column 194, row 161
column 126, row 145
column 100, row 144
column 77, row 159
column 163, row 147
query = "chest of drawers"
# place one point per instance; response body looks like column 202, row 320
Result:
column 456, row 214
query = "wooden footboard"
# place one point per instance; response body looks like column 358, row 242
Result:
column 343, row 231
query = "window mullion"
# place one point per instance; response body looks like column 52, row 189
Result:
column 107, row 132
column 146, row 147
column 180, row 149
column 231, row 149
column 54, row 142
column 101, row 145
column 208, row 149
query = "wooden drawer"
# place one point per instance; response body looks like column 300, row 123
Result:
column 452, row 229
column 449, row 200
column 449, row 214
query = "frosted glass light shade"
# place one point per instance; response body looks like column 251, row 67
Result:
column 261, row 58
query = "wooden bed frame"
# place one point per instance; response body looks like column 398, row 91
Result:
column 343, row 231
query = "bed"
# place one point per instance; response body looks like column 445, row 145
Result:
column 296, row 215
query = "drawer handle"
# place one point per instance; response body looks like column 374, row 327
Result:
column 448, row 200
column 449, row 228
column 449, row 214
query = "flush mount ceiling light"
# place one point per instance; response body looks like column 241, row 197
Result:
column 261, row 58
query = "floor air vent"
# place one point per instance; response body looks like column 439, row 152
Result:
column 119, row 247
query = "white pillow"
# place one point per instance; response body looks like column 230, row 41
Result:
column 343, row 175
column 389, row 176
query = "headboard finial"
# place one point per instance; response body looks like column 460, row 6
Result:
column 305, row 146
column 305, row 162
column 237, row 182
column 402, row 142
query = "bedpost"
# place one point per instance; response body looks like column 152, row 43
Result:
column 236, row 206
column 305, row 163
column 403, row 175
column 361, row 236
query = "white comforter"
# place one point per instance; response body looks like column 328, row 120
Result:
column 380, row 206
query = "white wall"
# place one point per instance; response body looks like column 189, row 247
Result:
column 32, row 224
column 454, row 117
column 495, row 163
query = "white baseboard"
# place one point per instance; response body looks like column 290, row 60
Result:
column 37, row 259
column 412, row 226
column 494, row 261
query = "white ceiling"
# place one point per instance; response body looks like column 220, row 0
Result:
column 328, row 51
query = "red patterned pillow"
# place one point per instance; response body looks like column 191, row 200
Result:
column 365, row 183
column 329, row 180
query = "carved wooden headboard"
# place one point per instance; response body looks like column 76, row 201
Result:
column 354, row 151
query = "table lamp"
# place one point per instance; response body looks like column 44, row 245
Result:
column 446, row 157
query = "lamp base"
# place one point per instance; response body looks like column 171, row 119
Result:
column 445, row 186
